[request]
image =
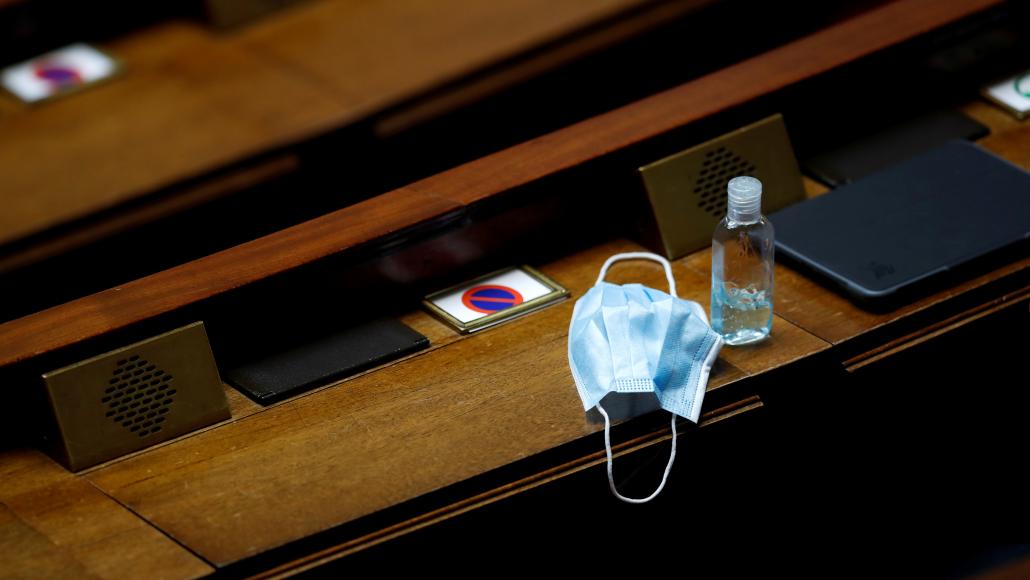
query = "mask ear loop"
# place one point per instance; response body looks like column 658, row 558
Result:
column 607, row 422
column 611, row 477
column 640, row 256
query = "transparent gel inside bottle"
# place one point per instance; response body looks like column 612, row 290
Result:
column 742, row 266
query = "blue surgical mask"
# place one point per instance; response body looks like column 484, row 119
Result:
column 635, row 339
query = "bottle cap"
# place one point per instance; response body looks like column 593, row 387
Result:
column 745, row 197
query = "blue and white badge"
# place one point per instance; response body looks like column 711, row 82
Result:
column 1012, row 94
column 57, row 72
column 493, row 298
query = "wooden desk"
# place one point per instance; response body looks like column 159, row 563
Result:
column 411, row 434
column 473, row 421
column 187, row 103
column 372, row 55
column 53, row 523
column 199, row 115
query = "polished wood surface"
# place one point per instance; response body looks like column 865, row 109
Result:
column 474, row 182
column 192, row 101
column 184, row 199
column 505, row 492
column 446, row 99
column 171, row 289
column 469, row 406
column 732, row 86
column 370, row 55
column 473, row 420
column 55, row 524
column 186, row 103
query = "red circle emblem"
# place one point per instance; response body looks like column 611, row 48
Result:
column 57, row 75
column 490, row 298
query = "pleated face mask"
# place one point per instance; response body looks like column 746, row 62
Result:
column 635, row 339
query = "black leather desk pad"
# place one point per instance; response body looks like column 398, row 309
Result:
column 944, row 210
column 327, row 358
column 871, row 153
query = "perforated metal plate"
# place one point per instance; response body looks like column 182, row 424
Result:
column 136, row 396
column 687, row 191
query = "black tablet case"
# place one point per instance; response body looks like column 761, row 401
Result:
column 866, row 155
column 326, row 358
column 895, row 228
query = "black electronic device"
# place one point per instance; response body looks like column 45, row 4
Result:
column 322, row 360
column 871, row 153
column 897, row 229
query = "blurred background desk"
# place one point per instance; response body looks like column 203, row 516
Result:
column 478, row 447
column 201, row 115
column 193, row 100
column 213, row 137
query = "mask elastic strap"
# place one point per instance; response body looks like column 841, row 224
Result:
column 640, row 256
column 608, row 450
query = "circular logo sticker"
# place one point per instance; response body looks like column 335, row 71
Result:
column 57, row 75
column 490, row 298
column 1021, row 86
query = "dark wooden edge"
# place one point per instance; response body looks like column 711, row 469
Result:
column 449, row 98
column 937, row 329
column 452, row 191
column 107, row 222
column 267, row 565
column 386, row 119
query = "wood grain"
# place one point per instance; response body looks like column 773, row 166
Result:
column 239, row 404
column 504, row 492
column 190, row 102
column 217, row 273
column 117, row 308
column 475, row 404
column 321, row 557
column 787, row 342
column 186, row 104
column 472, row 404
column 813, row 188
column 28, row 554
column 1011, row 142
column 54, row 524
column 370, row 55
column 481, row 85
column 181, row 200
column 993, row 117
column 702, row 98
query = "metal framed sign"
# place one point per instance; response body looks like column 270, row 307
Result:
column 494, row 298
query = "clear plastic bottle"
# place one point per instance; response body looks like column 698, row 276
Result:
column 742, row 266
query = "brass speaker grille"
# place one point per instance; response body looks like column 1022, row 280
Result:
column 139, row 396
column 134, row 397
column 718, row 167
column 687, row 191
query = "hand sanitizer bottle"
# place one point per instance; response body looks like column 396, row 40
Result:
column 742, row 266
